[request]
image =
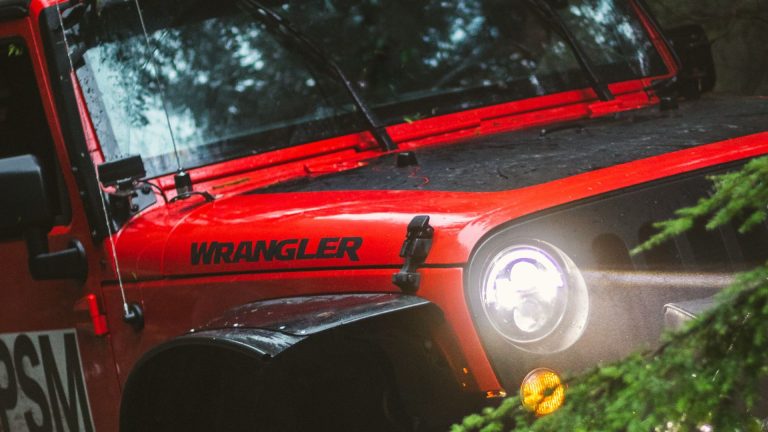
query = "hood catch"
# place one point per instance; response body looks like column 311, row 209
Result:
column 418, row 242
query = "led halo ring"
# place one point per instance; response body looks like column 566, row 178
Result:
column 534, row 296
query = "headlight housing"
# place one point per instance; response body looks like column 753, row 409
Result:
column 534, row 295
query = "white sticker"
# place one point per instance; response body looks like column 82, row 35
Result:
column 41, row 383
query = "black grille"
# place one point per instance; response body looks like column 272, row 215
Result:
column 723, row 249
column 599, row 233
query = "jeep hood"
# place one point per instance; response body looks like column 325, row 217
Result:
column 358, row 219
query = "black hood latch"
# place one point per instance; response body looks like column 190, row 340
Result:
column 418, row 242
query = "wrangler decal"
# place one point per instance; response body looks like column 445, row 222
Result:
column 275, row 250
column 41, row 383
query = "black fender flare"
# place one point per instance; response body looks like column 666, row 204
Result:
column 257, row 333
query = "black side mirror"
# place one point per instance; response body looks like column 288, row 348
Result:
column 692, row 46
column 23, row 195
column 25, row 207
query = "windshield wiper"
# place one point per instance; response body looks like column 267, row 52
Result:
column 375, row 127
column 586, row 64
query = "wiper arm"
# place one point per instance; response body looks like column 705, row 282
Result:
column 586, row 64
column 375, row 127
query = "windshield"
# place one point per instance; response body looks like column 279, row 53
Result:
column 219, row 81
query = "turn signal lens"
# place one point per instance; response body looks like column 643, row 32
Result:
column 542, row 391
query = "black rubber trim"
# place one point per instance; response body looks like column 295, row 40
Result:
column 63, row 90
column 309, row 315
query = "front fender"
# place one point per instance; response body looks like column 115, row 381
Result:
column 304, row 316
column 174, row 378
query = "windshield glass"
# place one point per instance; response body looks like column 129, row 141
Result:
column 220, row 81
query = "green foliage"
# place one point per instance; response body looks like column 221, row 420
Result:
column 705, row 374
column 737, row 32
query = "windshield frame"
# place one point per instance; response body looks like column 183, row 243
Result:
column 395, row 123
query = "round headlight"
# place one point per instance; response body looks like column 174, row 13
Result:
column 534, row 296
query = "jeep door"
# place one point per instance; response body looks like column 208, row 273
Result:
column 56, row 366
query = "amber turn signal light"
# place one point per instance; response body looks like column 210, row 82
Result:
column 542, row 391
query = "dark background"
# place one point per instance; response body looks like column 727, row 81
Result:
column 738, row 31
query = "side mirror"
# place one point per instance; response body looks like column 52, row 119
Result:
column 23, row 195
column 692, row 46
column 24, row 207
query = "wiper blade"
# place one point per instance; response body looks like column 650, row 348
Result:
column 586, row 64
column 375, row 127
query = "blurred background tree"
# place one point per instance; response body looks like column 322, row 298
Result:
column 737, row 31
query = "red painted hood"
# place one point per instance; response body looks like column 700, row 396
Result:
column 355, row 229
column 294, row 231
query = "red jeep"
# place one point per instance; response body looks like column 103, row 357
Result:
column 342, row 215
